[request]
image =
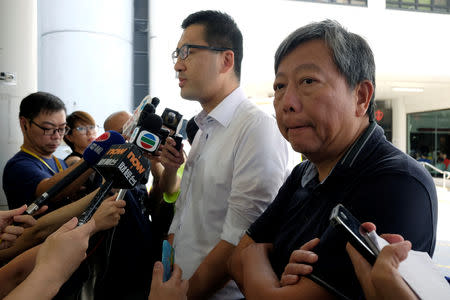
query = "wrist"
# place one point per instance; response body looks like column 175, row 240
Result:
column 44, row 282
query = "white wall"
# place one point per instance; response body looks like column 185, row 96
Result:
column 85, row 54
column 18, row 54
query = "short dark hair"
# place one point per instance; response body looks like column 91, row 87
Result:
column 33, row 104
column 350, row 52
column 220, row 31
column 77, row 117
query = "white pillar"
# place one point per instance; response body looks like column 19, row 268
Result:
column 18, row 55
column 86, row 54
column 399, row 129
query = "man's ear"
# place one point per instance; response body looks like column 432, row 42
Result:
column 363, row 91
column 23, row 123
column 227, row 60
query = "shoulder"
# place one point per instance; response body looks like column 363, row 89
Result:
column 21, row 159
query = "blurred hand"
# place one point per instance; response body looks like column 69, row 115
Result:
column 9, row 232
column 299, row 263
column 170, row 157
column 108, row 214
column 383, row 281
column 63, row 251
column 173, row 289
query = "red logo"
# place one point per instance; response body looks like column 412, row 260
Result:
column 379, row 115
column 103, row 137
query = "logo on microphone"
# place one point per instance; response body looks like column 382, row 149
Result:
column 148, row 141
column 103, row 137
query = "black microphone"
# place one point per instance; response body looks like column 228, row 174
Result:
column 91, row 155
column 171, row 118
column 149, row 135
column 123, row 166
column 155, row 101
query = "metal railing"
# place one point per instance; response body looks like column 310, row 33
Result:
column 445, row 174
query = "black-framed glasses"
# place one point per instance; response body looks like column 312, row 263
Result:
column 184, row 51
column 52, row 131
column 85, row 129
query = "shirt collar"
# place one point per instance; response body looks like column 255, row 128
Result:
column 352, row 155
column 223, row 112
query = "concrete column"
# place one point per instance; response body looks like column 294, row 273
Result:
column 86, row 54
column 18, row 55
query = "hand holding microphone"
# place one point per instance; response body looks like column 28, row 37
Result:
column 123, row 166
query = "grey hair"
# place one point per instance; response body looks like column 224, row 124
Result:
column 350, row 52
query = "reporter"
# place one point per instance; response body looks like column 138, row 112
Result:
column 56, row 260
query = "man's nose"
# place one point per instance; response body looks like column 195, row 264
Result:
column 291, row 100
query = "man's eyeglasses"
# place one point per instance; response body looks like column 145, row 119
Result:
column 52, row 131
column 85, row 129
column 183, row 52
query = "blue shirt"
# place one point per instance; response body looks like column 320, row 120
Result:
column 21, row 176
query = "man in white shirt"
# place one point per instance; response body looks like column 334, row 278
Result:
column 237, row 161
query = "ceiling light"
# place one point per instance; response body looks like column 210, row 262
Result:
column 408, row 89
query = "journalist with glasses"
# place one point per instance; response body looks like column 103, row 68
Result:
column 35, row 169
column 82, row 131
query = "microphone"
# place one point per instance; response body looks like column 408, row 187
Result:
column 150, row 135
column 171, row 118
column 135, row 119
column 91, row 155
column 123, row 166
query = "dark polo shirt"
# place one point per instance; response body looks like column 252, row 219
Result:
column 376, row 182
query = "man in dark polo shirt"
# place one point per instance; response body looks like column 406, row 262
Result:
column 324, row 93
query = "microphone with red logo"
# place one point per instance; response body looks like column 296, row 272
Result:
column 122, row 167
column 91, row 155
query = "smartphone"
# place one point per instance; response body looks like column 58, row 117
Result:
column 350, row 227
column 167, row 259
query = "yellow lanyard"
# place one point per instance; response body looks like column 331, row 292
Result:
column 58, row 164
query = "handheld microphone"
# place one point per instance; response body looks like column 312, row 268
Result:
column 131, row 124
column 171, row 118
column 91, row 155
column 123, row 166
column 149, row 135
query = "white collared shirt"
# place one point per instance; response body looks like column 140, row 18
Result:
column 236, row 165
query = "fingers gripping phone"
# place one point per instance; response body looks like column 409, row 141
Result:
column 351, row 228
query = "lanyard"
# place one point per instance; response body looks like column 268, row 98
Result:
column 58, row 164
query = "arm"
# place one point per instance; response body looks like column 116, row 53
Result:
column 45, row 226
column 212, row 274
column 56, row 260
column 47, row 183
column 251, row 269
column 12, row 274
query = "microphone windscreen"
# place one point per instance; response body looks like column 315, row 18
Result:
column 155, row 101
column 152, row 123
column 147, row 110
column 94, row 152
